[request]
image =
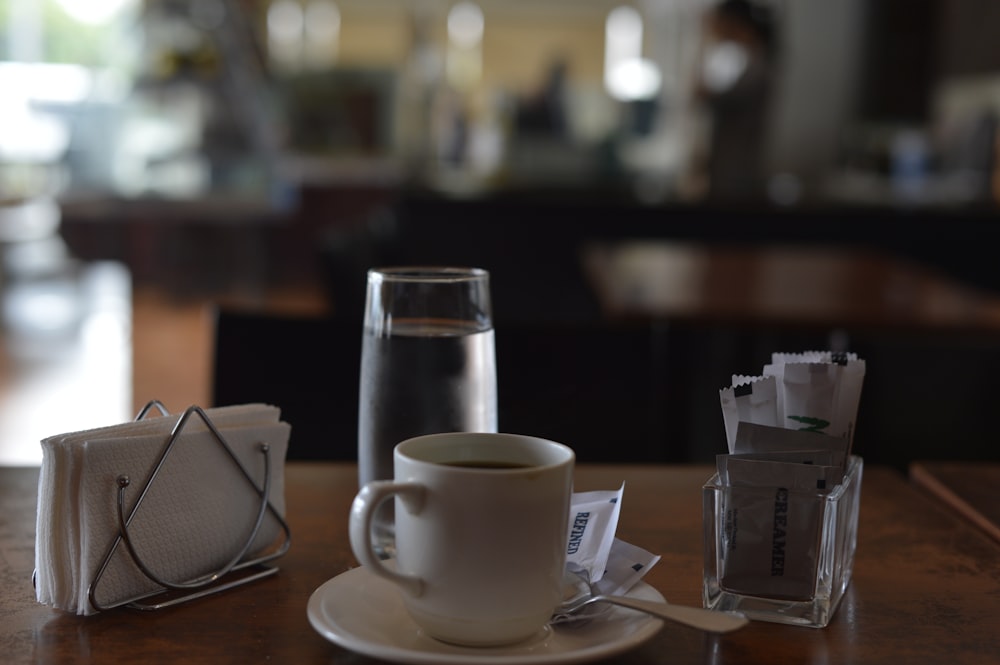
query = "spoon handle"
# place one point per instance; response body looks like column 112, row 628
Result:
column 710, row 620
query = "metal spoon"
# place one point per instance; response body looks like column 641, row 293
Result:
column 581, row 594
column 696, row 617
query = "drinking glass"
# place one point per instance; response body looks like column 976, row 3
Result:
column 428, row 365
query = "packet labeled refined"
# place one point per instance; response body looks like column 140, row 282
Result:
column 592, row 524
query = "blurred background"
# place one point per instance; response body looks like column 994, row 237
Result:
column 724, row 178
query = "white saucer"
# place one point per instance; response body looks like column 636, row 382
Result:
column 363, row 613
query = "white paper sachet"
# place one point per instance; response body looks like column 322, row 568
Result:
column 818, row 391
column 613, row 566
column 627, row 564
column 592, row 524
column 751, row 399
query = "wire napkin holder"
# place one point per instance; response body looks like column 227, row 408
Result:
column 229, row 575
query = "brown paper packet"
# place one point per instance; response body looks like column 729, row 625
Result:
column 753, row 438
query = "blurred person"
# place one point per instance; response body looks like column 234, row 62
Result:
column 734, row 84
column 544, row 111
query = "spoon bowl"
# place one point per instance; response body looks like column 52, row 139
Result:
column 695, row 617
column 583, row 602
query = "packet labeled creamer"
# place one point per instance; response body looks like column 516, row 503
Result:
column 772, row 542
column 592, row 524
column 773, row 516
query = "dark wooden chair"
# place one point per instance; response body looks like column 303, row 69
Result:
column 598, row 389
column 307, row 365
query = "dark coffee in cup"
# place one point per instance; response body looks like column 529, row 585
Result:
column 487, row 464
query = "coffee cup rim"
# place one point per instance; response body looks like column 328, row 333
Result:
column 502, row 443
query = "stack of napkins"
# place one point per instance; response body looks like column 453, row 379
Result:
column 197, row 514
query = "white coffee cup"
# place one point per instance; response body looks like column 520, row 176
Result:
column 481, row 527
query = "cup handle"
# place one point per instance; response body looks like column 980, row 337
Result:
column 368, row 499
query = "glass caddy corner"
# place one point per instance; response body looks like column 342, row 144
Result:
column 828, row 563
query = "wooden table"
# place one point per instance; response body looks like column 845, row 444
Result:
column 968, row 488
column 926, row 584
column 786, row 285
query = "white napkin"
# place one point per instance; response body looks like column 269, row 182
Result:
column 197, row 514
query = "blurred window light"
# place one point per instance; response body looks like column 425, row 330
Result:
column 93, row 12
column 725, row 62
column 465, row 25
column 285, row 33
column 622, row 36
column 85, row 32
column 627, row 75
column 45, row 82
column 322, row 19
column 285, row 21
column 634, row 80
column 24, row 32
column 464, row 62
column 322, row 32
column 31, row 135
column 31, row 138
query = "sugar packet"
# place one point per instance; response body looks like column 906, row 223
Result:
column 817, row 391
column 627, row 564
column 611, row 564
column 607, row 564
column 751, row 399
column 592, row 524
